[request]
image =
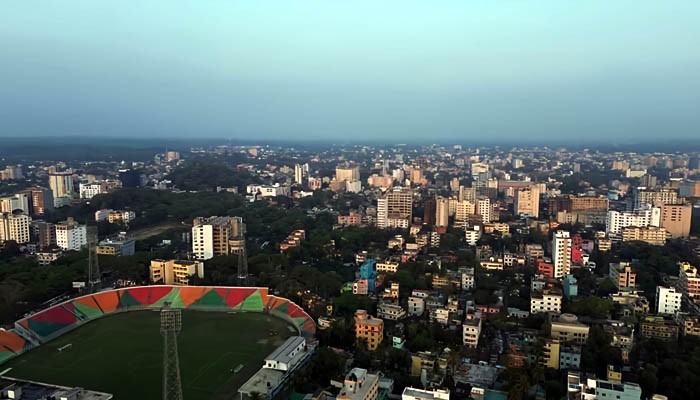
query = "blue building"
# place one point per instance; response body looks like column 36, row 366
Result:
column 369, row 272
column 570, row 286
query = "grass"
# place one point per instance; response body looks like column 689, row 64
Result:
column 122, row 354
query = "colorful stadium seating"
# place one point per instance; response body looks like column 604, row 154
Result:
column 61, row 318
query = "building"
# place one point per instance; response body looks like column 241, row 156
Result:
column 41, row 200
column 410, row 393
column 644, row 197
column 119, row 246
column 483, row 209
column 561, row 253
column 70, row 235
column 16, row 202
column 216, row 236
column 689, row 281
column 46, row 257
column 387, row 265
column 175, row 272
column 650, row 234
column 395, row 208
column 299, row 172
column 691, row 325
column 14, row 226
column 442, row 212
column 570, row 286
column 467, row 278
column 471, row 329
column 125, row 217
column 368, row 329
column 546, row 301
column 359, row 385
column 567, row 328
column 656, row 327
column 416, row 306
column 598, row 389
column 268, row 190
column 676, row 218
column 278, row 368
column 130, row 178
column 43, row 234
column 392, row 312
column 293, row 240
column 526, row 201
column 11, row 172
column 90, row 190
column 352, row 219
column 668, row 300
column 622, row 275
column 347, row 172
column 11, row 388
column 617, row 220
column 61, row 184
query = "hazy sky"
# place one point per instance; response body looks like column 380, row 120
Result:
column 353, row 70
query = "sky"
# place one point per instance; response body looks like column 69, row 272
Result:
column 395, row 71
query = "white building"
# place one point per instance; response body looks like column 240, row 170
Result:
column 483, row 209
column 353, row 186
column 547, row 301
column 70, row 235
column 416, row 305
column 561, row 253
column 102, row 214
column 281, row 358
column 19, row 201
column 410, row 393
column 90, row 190
column 442, row 211
column 14, row 227
column 472, row 235
column 643, row 217
column 268, row 190
column 471, row 329
column 668, row 300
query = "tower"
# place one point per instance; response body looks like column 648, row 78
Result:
column 170, row 326
column 93, row 262
column 243, row 266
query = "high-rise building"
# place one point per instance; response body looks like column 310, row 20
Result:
column 14, row 226
column 299, row 174
column 216, row 236
column 526, row 201
column 41, row 200
column 676, row 219
column 483, row 209
column 70, row 235
column 130, row 178
column 668, row 300
column 395, row 208
column 644, row 197
column 617, row 220
column 463, row 211
column 61, row 184
column 467, row 193
column 19, row 201
column 43, row 234
column 442, row 210
column 561, row 253
column 347, row 172
column 471, row 330
column 651, row 234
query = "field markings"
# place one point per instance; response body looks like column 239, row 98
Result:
column 5, row 371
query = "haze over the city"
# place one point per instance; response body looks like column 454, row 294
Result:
column 391, row 70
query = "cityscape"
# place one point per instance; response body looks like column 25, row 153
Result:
column 318, row 200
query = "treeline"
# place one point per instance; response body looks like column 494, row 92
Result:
column 208, row 174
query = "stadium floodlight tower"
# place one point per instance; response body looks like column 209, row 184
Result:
column 93, row 262
column 170, row 326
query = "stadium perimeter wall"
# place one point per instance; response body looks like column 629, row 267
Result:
column 61, row 318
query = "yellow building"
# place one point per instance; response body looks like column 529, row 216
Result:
column 550, row 354
column 368, row 328
column 175, row 272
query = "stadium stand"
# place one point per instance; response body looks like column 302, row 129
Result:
column 61, row 318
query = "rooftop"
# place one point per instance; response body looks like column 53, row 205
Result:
column 41, row 391
column 283, row 353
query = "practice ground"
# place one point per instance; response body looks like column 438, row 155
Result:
column 122, row 354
